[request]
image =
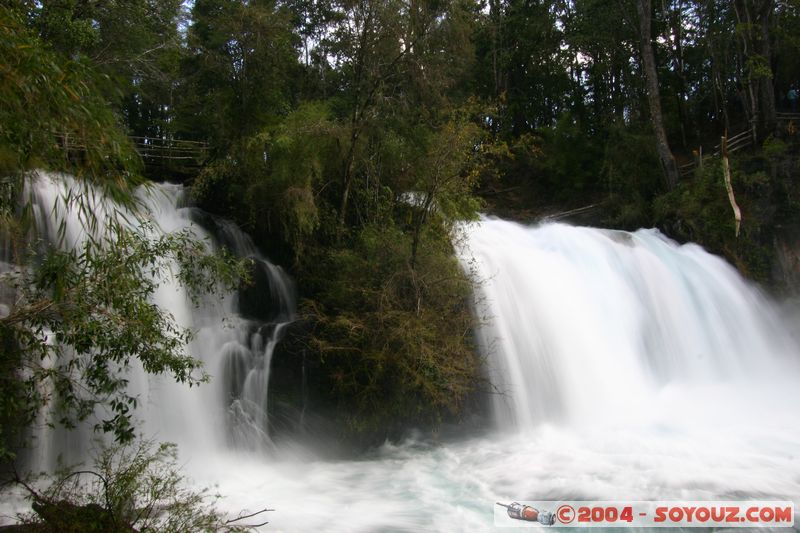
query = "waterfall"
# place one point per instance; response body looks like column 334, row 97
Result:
column 626, row 366
column 585, row 325
column 234, row 336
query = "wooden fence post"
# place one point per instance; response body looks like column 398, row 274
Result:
column 726, row 171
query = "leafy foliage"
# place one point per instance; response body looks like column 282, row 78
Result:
column 54, row 116
column 699, row 211
column 83, row 315
column 78, row 317
column 135, row 487
column 134, row 44
column 239, row 54
column 394, row 341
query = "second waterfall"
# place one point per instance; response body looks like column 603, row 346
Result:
column 235, row 335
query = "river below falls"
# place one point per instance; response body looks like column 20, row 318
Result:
column 747, row 448
column 453, row 486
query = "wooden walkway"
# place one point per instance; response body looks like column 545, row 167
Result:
column 158, row 154
column 171, row 153
column 737, row 142
column 740, row 141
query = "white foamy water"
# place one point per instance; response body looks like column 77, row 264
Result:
column 231, row 411
column 588, row 326
column 453, row 486
column 627, row 367
column 630, row 368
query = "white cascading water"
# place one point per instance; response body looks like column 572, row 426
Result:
column 626, row 367
column 236, row 351
column 590, row 326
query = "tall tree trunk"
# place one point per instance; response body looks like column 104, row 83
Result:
column 670, row 168
column 347, row 175
column 766, row 82
column 357, row 113
column 755, row 18
column 681, row 95
column 495, row 17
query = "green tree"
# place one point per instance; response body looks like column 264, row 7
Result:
column 271, row 181
column 80, row 317
column 443, row 183
column 53, row 115
column 393, row 344
column 523, row 44
column 240, row 56
column 644, row 12
column 76, row 318
column 755, row 23
column 136, row 43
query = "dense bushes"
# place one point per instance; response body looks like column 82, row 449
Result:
column 136, row 487
column 394, row 342
column 764, row 182
column 384, row 303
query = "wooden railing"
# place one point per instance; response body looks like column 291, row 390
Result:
column 785, row 117
column 160, row 152
column 737, row 142
column 744, row 139
column 156, row 152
